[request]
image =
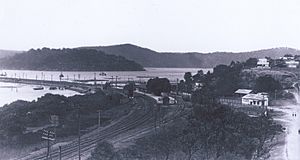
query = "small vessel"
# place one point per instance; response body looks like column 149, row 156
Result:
column 102, row 74
column 52, row 88
column 61, row 76
column 3, row 74
column 38, row 88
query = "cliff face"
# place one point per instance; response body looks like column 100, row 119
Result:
column 286, row 78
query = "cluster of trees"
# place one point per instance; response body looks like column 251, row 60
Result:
column 158, row 86
column 216, row 133
column 225, row 79
column 17, row 116
column 267, row 84
column 68, row 60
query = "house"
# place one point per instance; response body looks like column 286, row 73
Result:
column 263, row 63
column 242, row 92
column 259, row 99
column 292, row 63
column 287, row 57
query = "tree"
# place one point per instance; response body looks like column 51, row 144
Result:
column 188, row 77
column 129, row 89
column 158, row 85
column 104, row 151
column 227, row 78
column 266, row 84
column 197, row 77
column 250, row 63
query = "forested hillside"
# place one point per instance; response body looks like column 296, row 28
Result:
column 68, row 60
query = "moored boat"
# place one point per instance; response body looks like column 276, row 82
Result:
column 38, row 88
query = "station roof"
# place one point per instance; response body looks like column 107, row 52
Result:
column 243, row 91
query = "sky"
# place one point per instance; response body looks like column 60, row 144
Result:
column 161, row 25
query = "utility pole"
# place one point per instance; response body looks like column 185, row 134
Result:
column 177, row 86
column 79, row 149
column 59, row 152
column 95, row 80
column 48, row 144
column 49, row 136
column 116, row 81
column 99, row 119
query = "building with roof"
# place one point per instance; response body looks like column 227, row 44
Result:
column 259, row 99
column 288, row 57
column 263, row 63
column 292, row 63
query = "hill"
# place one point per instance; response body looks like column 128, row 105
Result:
column 6, row 53
column 150, row 58
column 68, row 60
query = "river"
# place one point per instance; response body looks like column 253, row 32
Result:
column 10, row 92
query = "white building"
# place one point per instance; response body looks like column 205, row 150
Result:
column 259, row 99
column 263, row 63
column 292, row 63
column 288, row 57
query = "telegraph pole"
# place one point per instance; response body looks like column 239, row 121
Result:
column 59, row 152
column 49, row 136
column 95, row 79
column 116, row 81
column 99, row 119
column 48, row 144
column 177, row 86
column 79, row 149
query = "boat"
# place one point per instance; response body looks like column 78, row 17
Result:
column 52, row 88
column 38, row 88
column 102, row 74
column 3, row 74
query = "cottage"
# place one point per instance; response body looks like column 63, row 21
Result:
column 292, row 63
column 259, row 99
column 263, row 63
column 287, row 57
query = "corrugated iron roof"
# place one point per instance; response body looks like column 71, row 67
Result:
column 243, row 91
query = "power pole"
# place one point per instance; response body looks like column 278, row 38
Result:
column 59, row 152
column 79, row 149
column 48, row 145
column 177, row 86
column 49, row 136
column 99, row 119
column 116, row 81
column 95, row 79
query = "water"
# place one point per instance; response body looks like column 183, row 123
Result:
column 10, row 92
column 172, row 73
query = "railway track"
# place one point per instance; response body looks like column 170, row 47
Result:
column 138, row 117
